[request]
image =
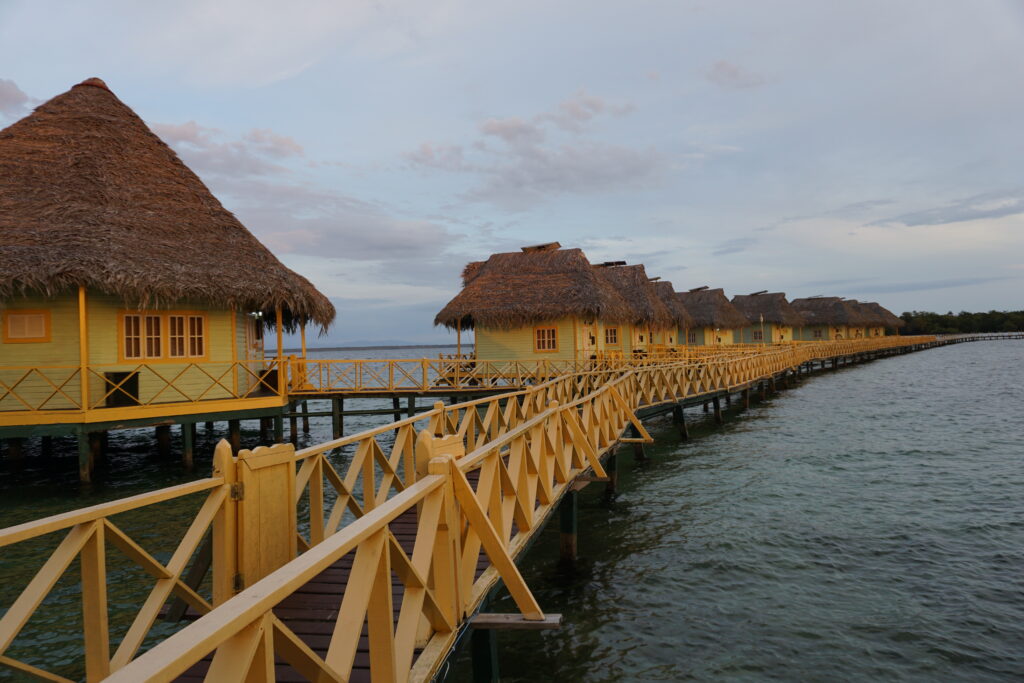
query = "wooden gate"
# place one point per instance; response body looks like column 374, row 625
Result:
column 266, row 512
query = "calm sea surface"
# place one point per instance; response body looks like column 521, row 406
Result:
column 866, row 525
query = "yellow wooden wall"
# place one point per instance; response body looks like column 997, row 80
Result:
column 518, row 343
column 104, row 339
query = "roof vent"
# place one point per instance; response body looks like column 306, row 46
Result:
column 611, row 264
column 763, row 291
column 654, row 279
column 95, row 83
column 547, row 246
column 699, row 289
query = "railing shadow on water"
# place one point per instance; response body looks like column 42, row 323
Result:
column 479, row 476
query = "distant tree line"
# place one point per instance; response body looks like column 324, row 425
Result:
column 923, row 322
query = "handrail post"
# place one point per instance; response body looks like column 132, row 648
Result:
column 225, row 526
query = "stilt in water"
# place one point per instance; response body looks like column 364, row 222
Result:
column 484, row 649
column 278, row 421
column 613, row 475
column 680, row 419
column 705, row 406
column 728, row 400
column 410, row 407
column 638, row 448
column 764, row 390
column 305, row 417
column 775, row 388
column 15, row 448
column 718, row 409
column 396, row 404
column 567, row 513
column 209, row 428
column 746, row 399
column 235, row 435
column 86, row 462
column 163, row 441
column 188, row 440
column 293, row 425
column 265, row 427
column 337, row 423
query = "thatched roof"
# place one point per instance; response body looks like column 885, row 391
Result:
column 668, row 297
column 90, row 196
column 881, row 315
column 771, row 307
column 471, row 270
column 829, row 310
column 711, row 308
column 528, row 287
column 633, row 285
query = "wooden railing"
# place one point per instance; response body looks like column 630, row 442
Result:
column 278, row 517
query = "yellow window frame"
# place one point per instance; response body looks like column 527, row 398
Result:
column 536, row 339
column 618, row 338
column 165, row 337
column 47, row 328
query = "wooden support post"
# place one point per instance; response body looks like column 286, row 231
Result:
column 293, row 425
column 396, row 403
column 163, row 440
column 764, row 390
column 96, row 447
column 279, row 427
column 83, row 347
column 718, row 409
column 775, row 389
column 568, row 526
column 86, row 463
column 638, row 447
column 14, row 449
column 337, row 425
column 746, row 399
column 305, row 417
column 728, row 400
column 410, row 408
column 611, row 469
column 265, row 427
column 705, row 406
column 209, row 428
column 235, row 435
column 188, row 441
column 680, row 419
column 484, row 648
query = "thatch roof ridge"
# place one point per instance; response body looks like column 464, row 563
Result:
column 884, row 316
column 771, row 307
column 633, row 285
column 667, row 294
column 521, row 288
column 711, row 308
column 89, row 195
column 829, row 310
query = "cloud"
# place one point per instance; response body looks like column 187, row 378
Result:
column 927, row 285
column 734, row 246
column 520, row 162
column 986, row 205
column 206, row 150
column 13, row 101
column 732, row 76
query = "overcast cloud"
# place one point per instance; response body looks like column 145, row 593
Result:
column 869, row 149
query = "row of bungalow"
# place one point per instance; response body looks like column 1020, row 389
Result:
column 546, row 301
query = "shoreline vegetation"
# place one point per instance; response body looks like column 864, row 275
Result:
column 925, row 322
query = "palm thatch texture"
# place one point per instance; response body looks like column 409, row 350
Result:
column 829, row 310
column 711, row 308
column 90, row 196
column 885, row 317
column 528, row 287
column 674, row 304
column 769, row 307
column 632, row 283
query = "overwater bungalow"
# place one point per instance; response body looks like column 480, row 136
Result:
column 677, row 335
column 716, row 322
column 882, row 319
column 129, row 295
column 651, row 322
column 542, row 302
column 771, row 319
column 829, row 318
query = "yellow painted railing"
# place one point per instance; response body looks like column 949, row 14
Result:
column 278, row 517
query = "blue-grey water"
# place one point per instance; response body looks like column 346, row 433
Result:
column 866, row 525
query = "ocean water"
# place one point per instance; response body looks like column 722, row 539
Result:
column 865, row 525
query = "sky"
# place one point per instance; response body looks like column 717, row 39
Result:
column 869, row 149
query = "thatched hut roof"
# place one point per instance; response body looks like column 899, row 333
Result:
column 829, row 310
column 633, row 285
column 883, row 316
column 674, row 304
column 90, row 196
column 471, row 270
column 532, row 286
column 770, row 307
column 711, row 308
